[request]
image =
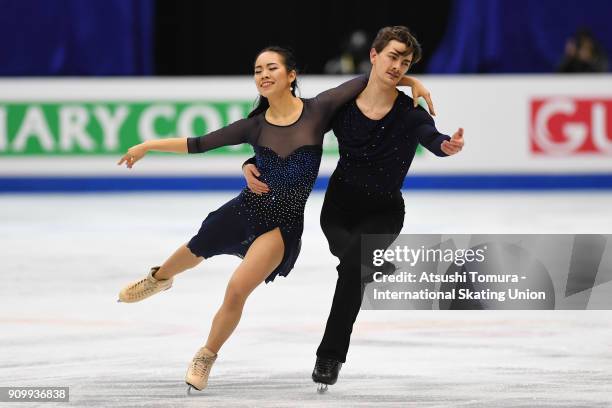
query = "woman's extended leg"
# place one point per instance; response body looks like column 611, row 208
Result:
column 263, row 256
column 181, row 260
column 160, row 278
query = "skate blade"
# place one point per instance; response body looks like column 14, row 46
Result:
column 321, row 388
column 190, row 388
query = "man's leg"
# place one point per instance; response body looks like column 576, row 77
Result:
column 349, row 288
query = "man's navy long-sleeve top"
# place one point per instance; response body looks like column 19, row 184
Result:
column 375, row 155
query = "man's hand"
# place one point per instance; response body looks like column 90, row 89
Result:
column 250, row 174
column 454, row 145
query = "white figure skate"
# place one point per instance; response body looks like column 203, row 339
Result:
column 199, row 369
column 144, row 288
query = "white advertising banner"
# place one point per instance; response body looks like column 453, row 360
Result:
column 544, row 124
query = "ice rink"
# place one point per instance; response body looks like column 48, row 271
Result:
column 65, row 257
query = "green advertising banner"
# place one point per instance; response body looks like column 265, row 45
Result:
column 103, row 128
column 108, row 127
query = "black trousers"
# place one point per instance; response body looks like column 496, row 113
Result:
column 345, row 216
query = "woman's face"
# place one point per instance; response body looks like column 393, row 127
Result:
column 271, row 76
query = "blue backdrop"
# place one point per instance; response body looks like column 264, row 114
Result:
column 76, row 37
column 517, row 35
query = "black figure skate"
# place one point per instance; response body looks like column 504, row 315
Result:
column 325, row 373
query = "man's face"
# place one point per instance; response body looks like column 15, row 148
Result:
column 391, row 63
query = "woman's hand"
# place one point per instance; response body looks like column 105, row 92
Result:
column 255, row 185
column 133, row 154
column 418, row 89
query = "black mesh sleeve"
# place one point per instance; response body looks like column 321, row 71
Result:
column 236, row 133
column 332, row 99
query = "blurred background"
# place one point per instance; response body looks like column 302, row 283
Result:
column 163, row 37
column 80, row 82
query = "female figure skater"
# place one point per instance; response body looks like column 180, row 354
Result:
column 286, row 133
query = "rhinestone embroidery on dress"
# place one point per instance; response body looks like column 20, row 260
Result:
column 290, row 179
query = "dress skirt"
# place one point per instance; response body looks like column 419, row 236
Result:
column 232, row 229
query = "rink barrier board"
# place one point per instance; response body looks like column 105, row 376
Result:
column 522, row 182
column 514, row 124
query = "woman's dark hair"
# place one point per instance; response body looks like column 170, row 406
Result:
column 290, row 65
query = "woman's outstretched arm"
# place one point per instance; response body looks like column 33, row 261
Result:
column 238, row 132
column 137, row 152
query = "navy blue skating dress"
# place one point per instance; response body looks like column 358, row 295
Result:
column 288, row 159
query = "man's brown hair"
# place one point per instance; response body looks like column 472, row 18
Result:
column 398, row 33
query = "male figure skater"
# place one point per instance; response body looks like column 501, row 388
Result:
column 378, row 134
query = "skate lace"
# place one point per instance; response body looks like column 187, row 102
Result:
column 201, row 365
column 326, row 364
column 141, row 288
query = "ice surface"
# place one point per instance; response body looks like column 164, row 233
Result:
column 66, row 256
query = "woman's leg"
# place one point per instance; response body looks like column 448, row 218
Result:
column 263, row 256
column 181, row 260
